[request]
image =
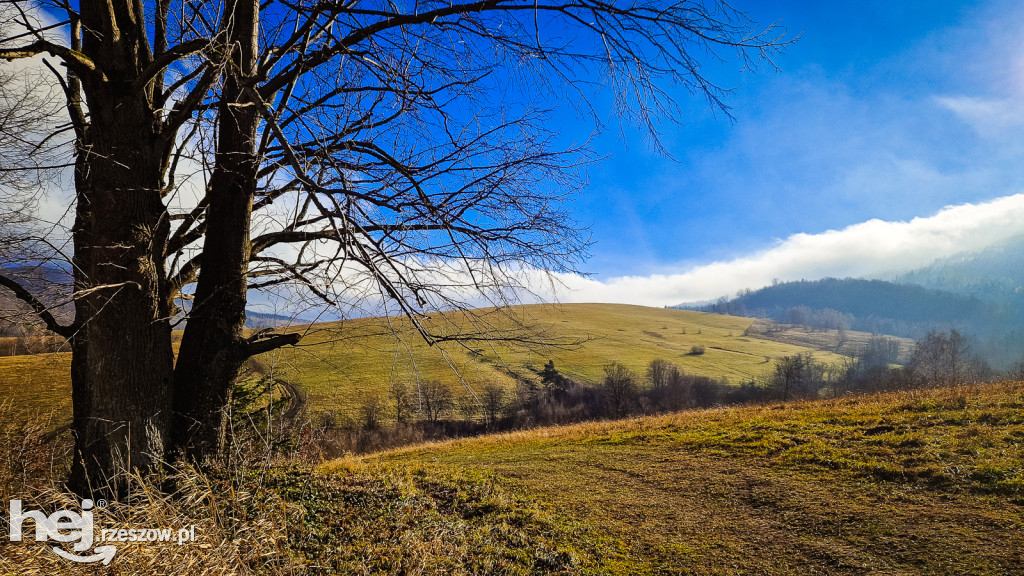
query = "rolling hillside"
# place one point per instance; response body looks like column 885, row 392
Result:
column 927, row 482
column 338, row 365
column 339, row 369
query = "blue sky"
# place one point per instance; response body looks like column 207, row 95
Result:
column 891, row 134
column 881, row 110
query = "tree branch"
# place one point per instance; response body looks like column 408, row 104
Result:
column 261, row 342
column 75, row 60
column 161, row 62
column 40, row 309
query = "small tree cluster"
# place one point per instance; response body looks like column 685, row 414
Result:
column 620, row 388
column 796, row 376
column 402, row 401
column 947, row 359
column 554, row 382
column 373, row 410
column 437, row 399
column 493, row 399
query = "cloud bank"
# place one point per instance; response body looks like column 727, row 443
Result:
column 864, row 249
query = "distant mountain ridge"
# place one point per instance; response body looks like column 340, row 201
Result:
column 52, row 284
column 882, row 307
column 993, row 274
column 869, row 305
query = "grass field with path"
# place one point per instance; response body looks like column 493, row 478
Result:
column 924, row 482
column 338, row 365
column 342, row 364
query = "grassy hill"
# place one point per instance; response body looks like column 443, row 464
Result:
column 921, row 482
column 341, row 365
column 924, row 482
column 338, row 365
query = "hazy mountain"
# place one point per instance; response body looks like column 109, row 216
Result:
column 52, row 284
column 899, row 309
column 870, row 305
column 995, row 274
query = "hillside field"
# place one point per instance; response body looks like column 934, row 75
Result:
column 923, row 482
column 338, row 365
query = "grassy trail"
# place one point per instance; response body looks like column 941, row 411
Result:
column 912, row 483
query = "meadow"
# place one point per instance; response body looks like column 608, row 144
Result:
column 340, row 365
column 923, row 481
column 920, row 482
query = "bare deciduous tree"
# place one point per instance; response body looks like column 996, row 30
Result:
column 658, row 372
column 493, row 398
column 437, row 399
column 372, row 409
column 346, row 148
column 946, row 359
column 402, row 401
column 29, row 147
column 619, row 386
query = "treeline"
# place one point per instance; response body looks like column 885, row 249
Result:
column 432, row 409
column 27, row 345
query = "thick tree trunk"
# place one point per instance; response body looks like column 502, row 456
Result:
column 121, row 353
column 213, row 347
column 122, row 360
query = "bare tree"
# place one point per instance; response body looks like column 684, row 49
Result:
column 658, row 372
column 619, row 386
column 795, row 376
column 946, row 359
column 468, row 408
column 28, row 157
column 493, row 398
column 342, row 148
column 437, row 399
column 402, row 401
column 677, row 389
column 372, row 409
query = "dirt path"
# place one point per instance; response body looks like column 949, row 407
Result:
column 296, row 399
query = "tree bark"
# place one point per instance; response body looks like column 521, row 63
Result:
column 213, row 346
column 122, row 358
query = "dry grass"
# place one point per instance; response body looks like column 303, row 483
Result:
column 281, row 519
column 31, row 454
column 287, row 521
column 850, row 344
column 924, row 482
column 237, row 534
column 39, row 383
column 226, row 543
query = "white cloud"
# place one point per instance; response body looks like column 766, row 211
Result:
column 862, row 249
column 989, row 117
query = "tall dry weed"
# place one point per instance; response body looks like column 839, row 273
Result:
column 238, row 531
